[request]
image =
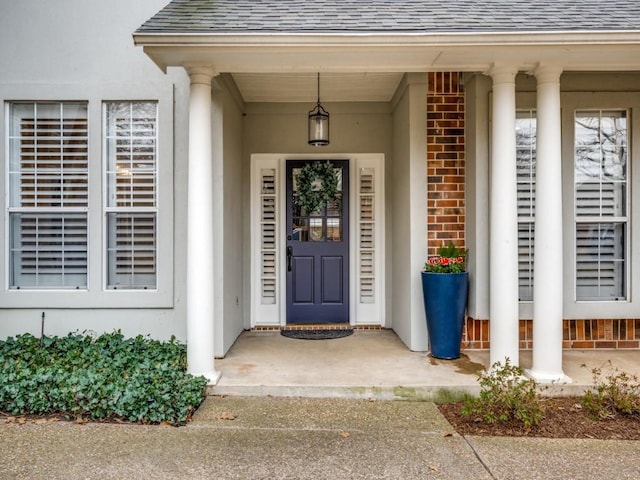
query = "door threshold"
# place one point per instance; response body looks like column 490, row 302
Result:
column 315, row 326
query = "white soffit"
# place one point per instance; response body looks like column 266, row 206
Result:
column 302, row 87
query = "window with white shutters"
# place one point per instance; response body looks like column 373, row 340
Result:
column 526, row 179
column 131, row 205
column 48, row 194
column 601, row 211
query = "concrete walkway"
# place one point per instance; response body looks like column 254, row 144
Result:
column 301, row 438
column 376, row 364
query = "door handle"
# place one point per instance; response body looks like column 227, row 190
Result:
column 289, row 257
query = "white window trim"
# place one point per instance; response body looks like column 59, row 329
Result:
column 107, row 209
column 590, row 220
column 55, row 211
column 572, row 102
column 95, row 296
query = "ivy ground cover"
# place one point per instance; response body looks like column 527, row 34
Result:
column 107, row 377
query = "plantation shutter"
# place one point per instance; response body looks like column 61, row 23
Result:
column 367, row 219
column 268, row 236
column 601, row 204
column 48, row 195
column 526, row 183
column 131, row 149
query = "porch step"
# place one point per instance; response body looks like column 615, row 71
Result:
column 430, row 393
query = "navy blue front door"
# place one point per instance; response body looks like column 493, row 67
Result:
column 318, row 253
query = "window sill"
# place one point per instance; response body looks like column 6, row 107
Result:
column 63, row 298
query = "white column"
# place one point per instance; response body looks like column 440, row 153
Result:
column 200, row 278
column 503, row 217
column 547, row 273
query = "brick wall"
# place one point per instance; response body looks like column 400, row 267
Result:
column 445, row 160
column 621, row 333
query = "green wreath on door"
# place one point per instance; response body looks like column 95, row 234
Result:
column 317, row 185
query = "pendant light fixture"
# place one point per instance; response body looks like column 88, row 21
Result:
column 318, row 123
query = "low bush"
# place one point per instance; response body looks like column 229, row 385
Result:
column 506, row 396
column 614, row 392
column 98, row 378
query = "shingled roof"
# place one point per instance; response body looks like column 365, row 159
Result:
column 393, row 16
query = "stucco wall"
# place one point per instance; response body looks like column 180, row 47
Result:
column 74, row 41
column 83, row 50
column 408, row 175
column 229, row 209
column 282, row 128
column 399, row 255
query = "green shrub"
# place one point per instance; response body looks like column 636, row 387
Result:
column 506, row 395
column 614, row 393
column 137, row 379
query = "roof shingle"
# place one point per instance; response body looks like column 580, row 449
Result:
column 393, row 16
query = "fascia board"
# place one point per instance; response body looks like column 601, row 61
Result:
column 266, row 40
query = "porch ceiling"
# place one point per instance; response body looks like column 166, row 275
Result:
column 301, row 87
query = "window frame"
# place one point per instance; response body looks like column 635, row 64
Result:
column 60, row 212
column 600, row 100
column 128, row 210
column 598, row 220
column 96, row 296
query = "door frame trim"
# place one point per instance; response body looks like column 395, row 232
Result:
column 276, row 314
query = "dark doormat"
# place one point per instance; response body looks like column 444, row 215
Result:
column 317, row 334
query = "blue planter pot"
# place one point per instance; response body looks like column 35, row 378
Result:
column 445, row 302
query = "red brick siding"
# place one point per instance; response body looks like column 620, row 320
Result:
column 445, row 160
column 580, row 334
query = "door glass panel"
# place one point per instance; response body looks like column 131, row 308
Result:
column 334, row 209
column 300, row 231
column 322, row 225
column 334, row 229
column 315, row 229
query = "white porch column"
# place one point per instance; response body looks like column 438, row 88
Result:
column 503, row 239
column 200, row 278
column 547, row 273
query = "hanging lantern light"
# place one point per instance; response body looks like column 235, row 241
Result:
column 318, row 123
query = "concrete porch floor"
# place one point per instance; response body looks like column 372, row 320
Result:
column 376, row 364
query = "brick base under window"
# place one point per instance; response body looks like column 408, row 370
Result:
column 579, row 334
